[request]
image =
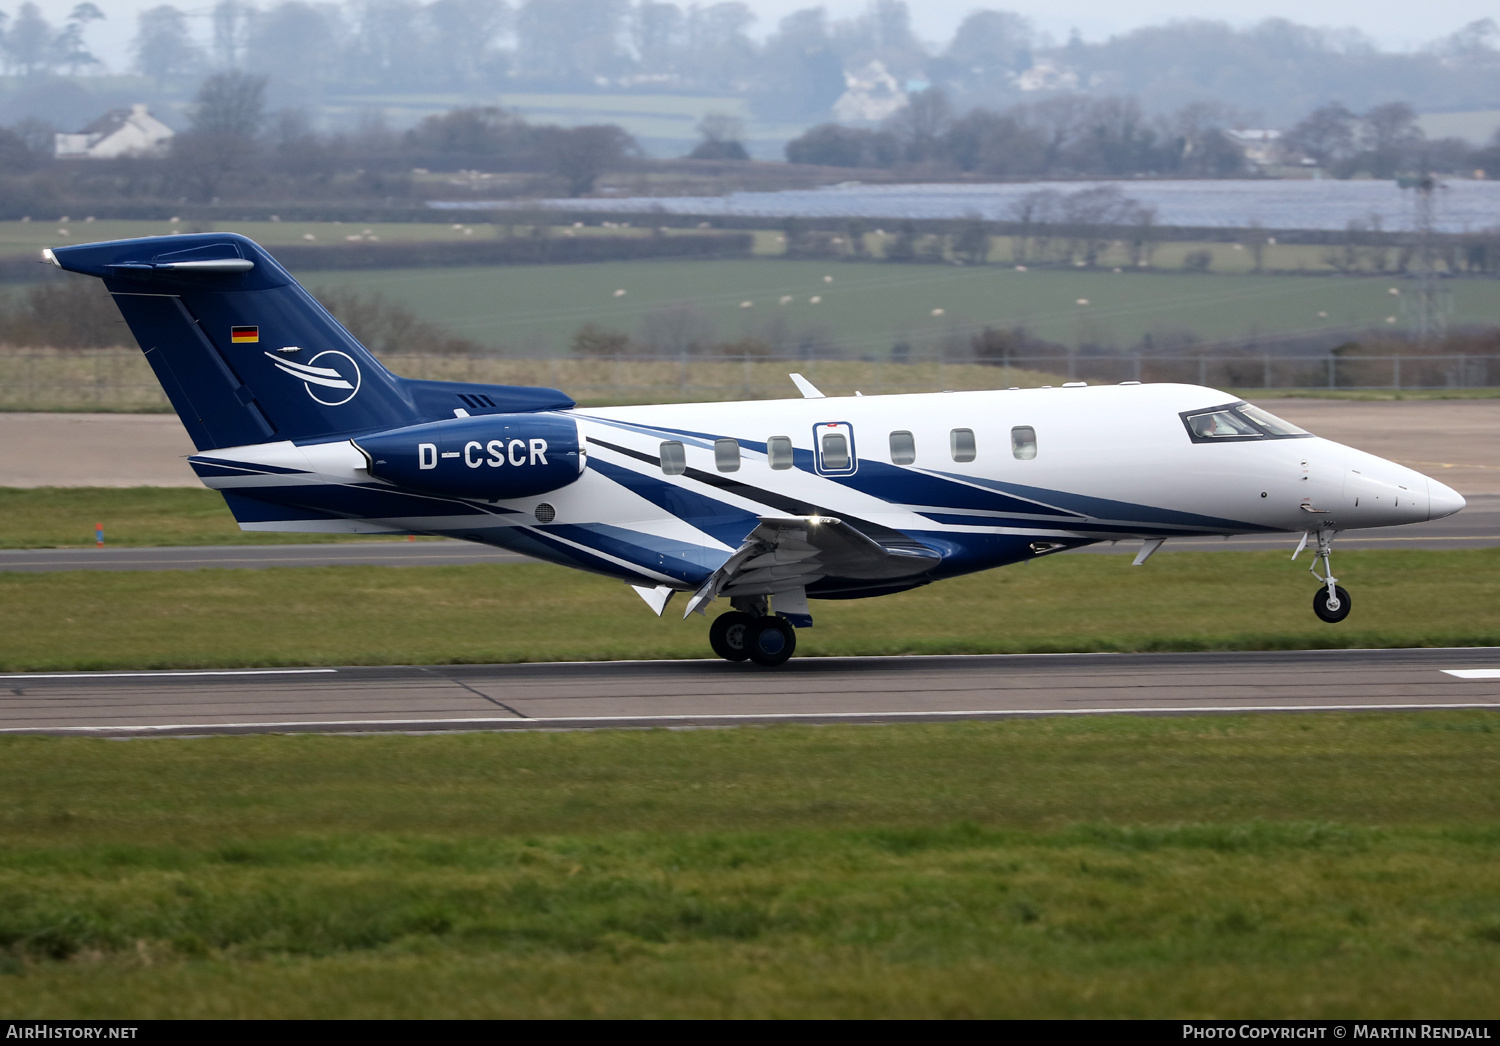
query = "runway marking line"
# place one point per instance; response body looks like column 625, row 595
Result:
column 1473, row 673
column 175, row 674
column 740, row 717
column 1051, row 656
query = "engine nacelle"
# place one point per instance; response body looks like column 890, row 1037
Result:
column 495, row 457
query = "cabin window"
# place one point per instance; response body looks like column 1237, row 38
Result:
column 961, row 443
column 727, row 455
column 835, row 451
column 673, row 458
column 1023, row 442
column 903, row 448
column 779, row 452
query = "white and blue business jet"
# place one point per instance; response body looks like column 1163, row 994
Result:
column 766, row 503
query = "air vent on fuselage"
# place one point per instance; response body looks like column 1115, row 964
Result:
column 476, row 401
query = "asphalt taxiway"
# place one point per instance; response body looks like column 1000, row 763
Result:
column 585, row 695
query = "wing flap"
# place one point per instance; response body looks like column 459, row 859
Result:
column 788, row 553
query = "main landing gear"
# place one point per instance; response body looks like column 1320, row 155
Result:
column 1331, row 603
column 758, row 637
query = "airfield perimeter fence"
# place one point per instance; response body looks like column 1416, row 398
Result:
column 120, row 380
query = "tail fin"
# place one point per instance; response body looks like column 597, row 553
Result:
column 244, row 353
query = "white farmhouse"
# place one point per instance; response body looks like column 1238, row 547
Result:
column 872, row 94
column 119, row 132
column 1045, row 76
column 1262, row 147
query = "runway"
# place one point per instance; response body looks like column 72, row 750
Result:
column 1477, row 526
column 592, row 695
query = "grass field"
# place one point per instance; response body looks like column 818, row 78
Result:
column 26, row 239
column 864, row 308
column 868, row 307
column 537, row 612
column 120, row 379
column 64, row 517
column 1307, row 866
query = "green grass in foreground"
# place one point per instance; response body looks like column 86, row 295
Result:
column 60, row 517
column 1307, row 866
column 536, row 612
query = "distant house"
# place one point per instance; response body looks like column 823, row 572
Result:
column 871, row 94
column 1045, row 76
column 119, row 132
column 1262, row 147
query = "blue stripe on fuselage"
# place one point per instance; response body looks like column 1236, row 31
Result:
column 722, row 521
column 690, row 564
column 909, row 488
column 1107, row 510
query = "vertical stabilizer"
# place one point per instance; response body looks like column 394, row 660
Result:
column 244, row 353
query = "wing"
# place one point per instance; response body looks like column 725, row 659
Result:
column 785, row 554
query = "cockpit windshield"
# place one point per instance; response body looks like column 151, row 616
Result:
column 1235, row 422
column 1270, row 422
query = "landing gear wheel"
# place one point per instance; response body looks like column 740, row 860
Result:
column 728, row 635
column 770, row 641
column 1328, row 613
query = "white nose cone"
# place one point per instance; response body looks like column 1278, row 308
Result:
column 1442, row 499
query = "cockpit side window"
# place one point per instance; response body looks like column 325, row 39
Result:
column 1235, row 422
column 1221, row 424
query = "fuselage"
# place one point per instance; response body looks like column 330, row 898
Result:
column 667, row 492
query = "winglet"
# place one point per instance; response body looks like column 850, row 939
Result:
column 808, row 389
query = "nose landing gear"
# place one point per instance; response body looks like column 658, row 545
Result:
column 1332, row 606
column 1331, row 603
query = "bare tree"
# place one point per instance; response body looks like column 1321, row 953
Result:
column 1325, row 136
column 228, row 114
column 721, row 139
column 579, row 155
column 919, row 127
column 163, row 48
column 231, row 21
column 677, row 330
column 1392, row 136
column 69, row 48
column 28, row 42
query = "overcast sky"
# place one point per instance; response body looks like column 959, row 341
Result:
column 1395, row 26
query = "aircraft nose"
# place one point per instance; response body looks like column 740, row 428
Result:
column 1442, row 500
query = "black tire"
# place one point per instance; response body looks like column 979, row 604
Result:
column 771, row 641
column 728, row 635
column 1320, row 605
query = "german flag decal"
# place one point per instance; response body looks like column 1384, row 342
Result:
column 244, row 335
